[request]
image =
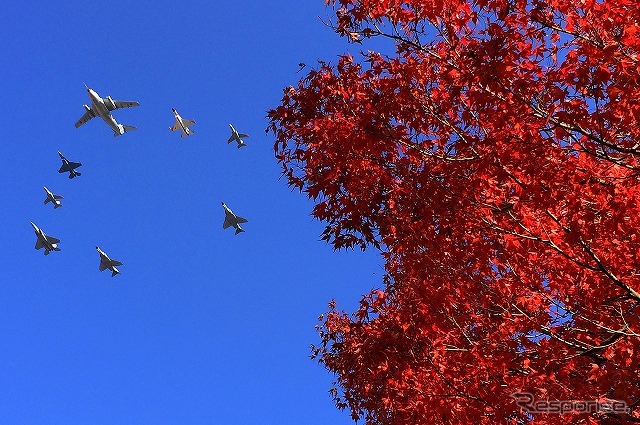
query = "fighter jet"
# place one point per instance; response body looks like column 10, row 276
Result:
column 53, row 198
column 69, row 167
column 237, row 137
column 182, row 124
column 102, row 107
column 230, row 219
column 49, row 243
column 108, row 263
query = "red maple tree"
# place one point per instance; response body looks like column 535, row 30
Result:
column 494, row 161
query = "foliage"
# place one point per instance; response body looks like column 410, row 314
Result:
column 494, row 160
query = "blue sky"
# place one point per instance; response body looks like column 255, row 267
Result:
column 202, row 326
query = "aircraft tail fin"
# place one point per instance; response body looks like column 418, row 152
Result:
column 239, row 230
column 57, row 205
column 115, row 272
column 241, row 144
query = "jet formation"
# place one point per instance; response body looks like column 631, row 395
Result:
column 102, row 107
column 49, row 243
column 108, row 263
column 182, row 124
column 237, row 137
column 51, row 197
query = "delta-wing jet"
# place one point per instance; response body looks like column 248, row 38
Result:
column 69, row 167
column 237, row 137
column 51, row 197
column 182, row 124
column 230, row 219
column 49, row 243
column 108, row 263
column 102, row 107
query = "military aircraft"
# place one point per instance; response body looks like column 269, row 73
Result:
column 69, row 167
column 102, row 107
column 53, row 198
column 49, row 243
column 230, row 219
column 237, row 137
column 182, row 124
column 108, row 263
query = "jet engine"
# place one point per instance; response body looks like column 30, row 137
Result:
column 110, row 103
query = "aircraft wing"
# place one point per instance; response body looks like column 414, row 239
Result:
column 125, row 104
column 53, row 240
column 176, row 126
column 227, row 222
column 231, row 139
column 71, row 166
column 188, row 123
column 103, row 264
column 241, row 220
column 116, row 263
column 86, row 117
column 243, row 135
column 39, row 244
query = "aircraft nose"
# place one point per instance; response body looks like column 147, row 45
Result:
column 34, row 226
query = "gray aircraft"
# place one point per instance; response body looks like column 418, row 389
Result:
column 182, row 124
column 69, row 167
column 108, row 263
column 102, row 107
column 230, row 219
column 49, row 243
column 53, row 198
column 235, row 136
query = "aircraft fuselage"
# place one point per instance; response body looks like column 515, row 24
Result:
column 100, row 109
column 46, row 243
column 52, row 198
column 180, row 121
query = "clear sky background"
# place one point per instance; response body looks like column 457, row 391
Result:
column 202, row 326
